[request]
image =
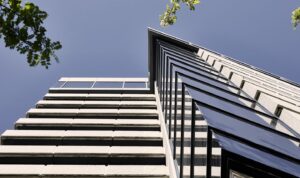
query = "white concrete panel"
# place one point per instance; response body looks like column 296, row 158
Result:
column 86, row 150
column 137, row 134
column 199, row 151
column 226, row 71
column 94, row 122
column 97, row 112
column 138, row 95
column 189, row 123
column 292, row 119
column 200, row 52
column 66, row 95
column 210, row 60
column 83, row 170
column 99, row 95
column 34, row 133
column 81, row 150
column 236, row 79
column 249, row 89
column 74, row 170
column 54, row 112
column 145, row 103
column 44, row 121
column 217, row 65
column 26, row 149
column 125, row 112
column 188, row 134
column 62, row 102
column 82, row 133
column 19, row 170
column 267, row 102
column 137, row 150
column 137, row 122
column 283, row 128
column 201, row 170
column 89, row 133
column 136, row 170
column 205, row 55
column 281, row 102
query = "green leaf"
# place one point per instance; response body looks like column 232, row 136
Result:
column 23, row 34
column 196, row 2
column 169, row 16
column 296, row 17
column 21, row 27
column 28, row 6
column 176, row 6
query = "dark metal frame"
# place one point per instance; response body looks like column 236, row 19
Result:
column 165, row 63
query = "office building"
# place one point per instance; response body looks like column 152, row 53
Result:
column 198, row 114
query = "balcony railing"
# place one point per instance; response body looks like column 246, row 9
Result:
column 101, row 85
column 118, row 83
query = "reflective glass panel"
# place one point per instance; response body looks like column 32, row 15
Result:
column 250, row 132
column 230, row 107
column 258, row 155
column 228, row 95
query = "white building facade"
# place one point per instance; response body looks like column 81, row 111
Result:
column 198, row 114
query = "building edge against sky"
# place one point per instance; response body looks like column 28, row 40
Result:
column 274, row 99
column 199, row 114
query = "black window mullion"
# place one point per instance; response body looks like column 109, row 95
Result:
column 182, row 129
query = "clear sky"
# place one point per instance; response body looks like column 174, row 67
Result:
column 108, row 38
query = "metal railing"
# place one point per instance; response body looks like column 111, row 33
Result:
column 111, row 83
column 191, row 91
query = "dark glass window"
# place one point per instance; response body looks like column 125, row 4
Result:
column 211, row 80
column 249, row 132
column 217, row 91
column 231, row 107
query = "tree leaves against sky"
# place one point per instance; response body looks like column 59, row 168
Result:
column 21, row 28
column 296, row 17
column 169, row 16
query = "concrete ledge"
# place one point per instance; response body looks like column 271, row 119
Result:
column 91, row 112
column 99, row 96
column 80, row 134
column 85, row 151
column 201, row 171
column 95, row 104
column 90, row 171
column 86, row 122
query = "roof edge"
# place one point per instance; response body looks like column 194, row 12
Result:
column 154, row 34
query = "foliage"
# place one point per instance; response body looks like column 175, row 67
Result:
column 169, row 16
column 21, row 28
column 296, row 17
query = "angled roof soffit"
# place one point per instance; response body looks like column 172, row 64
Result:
column 155, row 35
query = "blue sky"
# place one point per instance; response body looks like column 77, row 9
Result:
column 108, row 38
